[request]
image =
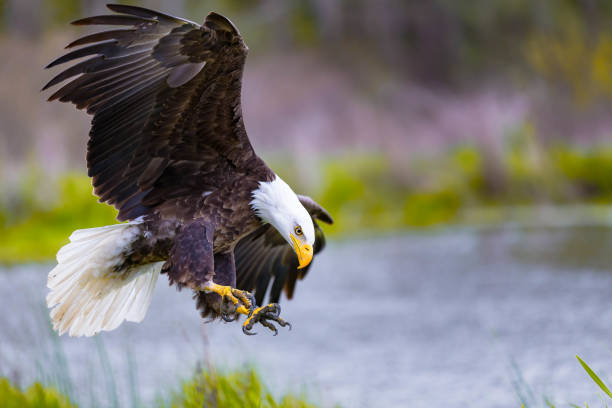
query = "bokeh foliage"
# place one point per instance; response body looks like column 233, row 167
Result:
column 36, row 225
column 363, row 192
column 440, row 41
column 576, row 57
column 35, row 396
column 232, row 389
column 242, row 389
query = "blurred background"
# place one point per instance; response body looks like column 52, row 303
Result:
column 464, row 150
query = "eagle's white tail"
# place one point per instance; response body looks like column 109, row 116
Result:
column 88, row 294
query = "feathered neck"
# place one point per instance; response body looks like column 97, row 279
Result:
column 272, row 197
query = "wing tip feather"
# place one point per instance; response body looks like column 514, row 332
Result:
column 144, row 12
column 113, row 19
column 221, row 22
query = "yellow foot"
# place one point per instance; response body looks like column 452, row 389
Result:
column 263, row 315
column 234, row 301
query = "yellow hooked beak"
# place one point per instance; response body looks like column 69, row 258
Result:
column 302, row 250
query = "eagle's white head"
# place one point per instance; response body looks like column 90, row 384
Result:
column 275, row 203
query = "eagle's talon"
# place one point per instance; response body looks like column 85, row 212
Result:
column 253, row 304
column 269, row 326
column 246, row 329
column 228, row 309
column 228, row 317
column 246, row 298
column 283, row 323
column 234, row 301
column 265, row 315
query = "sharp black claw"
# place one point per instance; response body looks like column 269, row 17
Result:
column 228, row 317
column 269, row 326
column 228, row 311
column 247, row 331
column 251, row 298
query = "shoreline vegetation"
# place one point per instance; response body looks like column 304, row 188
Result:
column 365, row 193
column 240, row 388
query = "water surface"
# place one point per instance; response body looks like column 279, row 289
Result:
column 450, row 318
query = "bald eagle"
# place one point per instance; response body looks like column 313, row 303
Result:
column 168, row 148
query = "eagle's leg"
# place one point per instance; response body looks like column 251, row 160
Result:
column 193, row 263
column 234, row 301
column 263, row 315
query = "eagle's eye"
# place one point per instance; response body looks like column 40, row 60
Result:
column 298, row 231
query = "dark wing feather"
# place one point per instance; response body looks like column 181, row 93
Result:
column 165, row 97
column 264, row 255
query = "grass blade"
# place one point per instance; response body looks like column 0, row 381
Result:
column 595, row 377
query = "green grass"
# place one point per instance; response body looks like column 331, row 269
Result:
column 528, row 398
column 35, row 396
column 595, row 377
column 364, row 192
column 39, row 226
column 236, row 389
column 241, row 388
column 231, row 389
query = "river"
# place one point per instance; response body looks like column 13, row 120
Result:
column 449, row 318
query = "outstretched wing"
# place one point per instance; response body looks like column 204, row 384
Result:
column 264, row 254
column 165, row 95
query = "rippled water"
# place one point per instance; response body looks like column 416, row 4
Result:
column 453, row 318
